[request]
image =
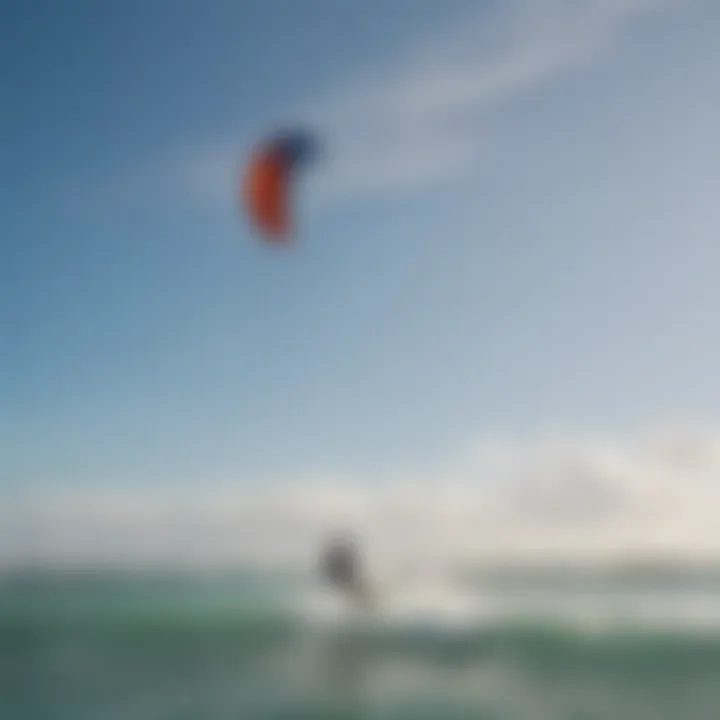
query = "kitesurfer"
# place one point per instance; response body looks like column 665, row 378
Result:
column 340, row 567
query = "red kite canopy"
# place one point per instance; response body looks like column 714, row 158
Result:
column 268, row 180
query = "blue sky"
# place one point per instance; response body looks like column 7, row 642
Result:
column 514, row 231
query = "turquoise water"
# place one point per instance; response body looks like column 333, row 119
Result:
column 157, row 646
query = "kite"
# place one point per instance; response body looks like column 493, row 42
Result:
column 269, row 180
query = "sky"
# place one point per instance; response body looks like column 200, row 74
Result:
column 508, row 241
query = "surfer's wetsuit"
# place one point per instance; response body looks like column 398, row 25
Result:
column 339, row 565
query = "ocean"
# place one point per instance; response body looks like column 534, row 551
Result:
column 152, row 645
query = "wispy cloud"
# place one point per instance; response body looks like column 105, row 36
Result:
column 597, row 498
column 423, row 119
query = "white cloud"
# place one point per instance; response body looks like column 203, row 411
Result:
column 424, row 120
column 545, row 498
column 421, row 120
